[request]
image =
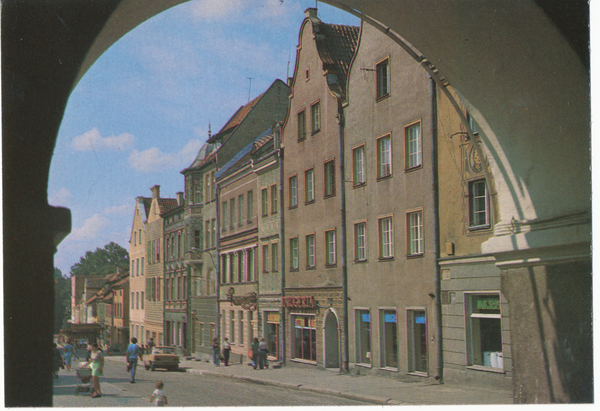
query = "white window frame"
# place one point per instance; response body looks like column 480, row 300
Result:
column 330, row 246
column 293, row 185
column 413, row 146
column 382, row 70
column 309, row 184
column 329, row 178
column 384, row 156
column 386, row 237
column 360, row 241
column 476, row 211
column 310, row 251
column 358, row 162
column 315, row 115
column 294, row 253
column 414, row 231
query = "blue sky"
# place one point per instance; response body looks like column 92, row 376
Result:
column 141, row 112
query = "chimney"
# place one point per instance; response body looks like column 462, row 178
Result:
column 155, row 192
column 290, row 80
column 311, row 13
column 180, row 198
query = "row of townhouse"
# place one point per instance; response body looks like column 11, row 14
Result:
column 339, row 216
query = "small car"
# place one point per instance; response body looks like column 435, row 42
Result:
column 83, row 344
column 162, row 357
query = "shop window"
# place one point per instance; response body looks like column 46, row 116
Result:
column 363, row 336
column 304, row 341
column 388, row 326
column 417, row 341
column 484, row 330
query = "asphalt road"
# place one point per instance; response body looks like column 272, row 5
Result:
column 183, row 389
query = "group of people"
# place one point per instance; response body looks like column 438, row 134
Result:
column 258, row 353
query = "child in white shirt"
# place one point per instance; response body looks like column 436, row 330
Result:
column 159, row 397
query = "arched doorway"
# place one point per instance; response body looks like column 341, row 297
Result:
column 331, row 338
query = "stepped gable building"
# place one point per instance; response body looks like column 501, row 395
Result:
column 138, row 257
column 154, row 273
column 314, row 263
column 200, row 214
column 391, row 211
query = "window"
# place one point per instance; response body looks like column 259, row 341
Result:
column 358, row 165
column 417, row 341
column 232, row 325
column 142, row 266
column 213, row 228
column 386, row 237
column 250, row 265
column 309, row 181
column 293, row 183
column 360, row 241
column 265, row 258
column 232, row 212
column 142, row 300
column 137, row 300
column 224, row 212
column 207, row 235
column 250, row 200
column 329, row 172
column 241, row 327
column 301, row 126
column 208, row 187
column 383, row 79
column 384, row 159
column 415, row 233
column 240, row 209
column 137, row 266
column 158, row 250
column 484, row 330
column 478, row 205
column 316, row 117
column 294, row 253
column 363, row 336
column 304, row 339
column 330, row 247
column 388, row 326
column 274, row 199
column 264, row 202
column 134, row 237
column 472, row 124
column 132, row 300
column 413, row 146
column 310, row 251
column 274, row 257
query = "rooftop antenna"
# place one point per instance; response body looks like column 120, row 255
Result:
column 209, row 132
column 250, row 88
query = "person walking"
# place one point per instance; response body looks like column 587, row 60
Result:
column 133, row 353
column 216, row 352
column 159, row 397
column 150, row 345
column 58, row 360
column 262, row 354
column 69, row 354
column 226, row 351
column 255, row 352
column 96, row 363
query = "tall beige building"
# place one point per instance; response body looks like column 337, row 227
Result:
column 138, row 259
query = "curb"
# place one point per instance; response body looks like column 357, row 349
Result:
column 300, row 387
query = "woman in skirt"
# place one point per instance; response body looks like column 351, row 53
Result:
column 96, row 363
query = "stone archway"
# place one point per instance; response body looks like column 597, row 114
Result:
column 520, row 65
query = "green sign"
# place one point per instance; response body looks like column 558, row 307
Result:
column 492, row 303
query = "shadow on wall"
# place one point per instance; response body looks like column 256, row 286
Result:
column 551, row 331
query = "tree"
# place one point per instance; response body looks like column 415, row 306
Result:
column 62, row 300
column 103, row 261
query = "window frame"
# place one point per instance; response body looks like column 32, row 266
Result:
column 294, row 251
column 386, row 237
column 293, row 191
column 240, row 209
column 381, row 153
column 274, row 198
column 357, row 247
column 315, row 117
column 382, row 78
column 264, row 202
column 250, row 205
column 410, row 239
column 310, row 251
column 301, row 126
column 473, row 211
column 329, row 178
column 470, row 315
column 357, row 170
column 330, row 248
column 309, row 199
column 408, row 146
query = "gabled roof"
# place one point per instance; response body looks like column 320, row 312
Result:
column 235, row 120
column 166, row 204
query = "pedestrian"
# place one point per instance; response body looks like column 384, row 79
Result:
column 226, row 351
column 96, row 363
column 69, row 354
column 150, row 345
column 58, row 360
column 216, row 352
column 262, row 354
column 133, row 352
column 255, row 352
column 159, row 397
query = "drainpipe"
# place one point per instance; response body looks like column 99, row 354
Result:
column 188, row 313
column 217, row 237
column 436, row 232
column 281, row 252
column 344, row 366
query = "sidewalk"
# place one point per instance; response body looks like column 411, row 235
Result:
column 373, row 389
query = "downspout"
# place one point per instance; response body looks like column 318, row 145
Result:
column 436, row 232
column 344, row 367
column 281, row 253
column 188, row 312
column 217, row 237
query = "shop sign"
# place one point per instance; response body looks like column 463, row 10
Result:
column 273, row 318
column 299, row 302
column 492, row 303
column 366, row 318
column 390, row 318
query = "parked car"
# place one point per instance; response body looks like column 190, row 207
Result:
column 162, row 357
column 83, row 344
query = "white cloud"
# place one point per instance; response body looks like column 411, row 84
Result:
column 217, row 10
column 61, row 198
column 119, row 210
column 153, row 159
column 91, row 228
column 93, row 141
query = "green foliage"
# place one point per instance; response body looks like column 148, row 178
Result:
column 103, row 261
column 62, row 300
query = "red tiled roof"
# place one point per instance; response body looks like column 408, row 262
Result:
column 237, row 118
column 166, row 204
